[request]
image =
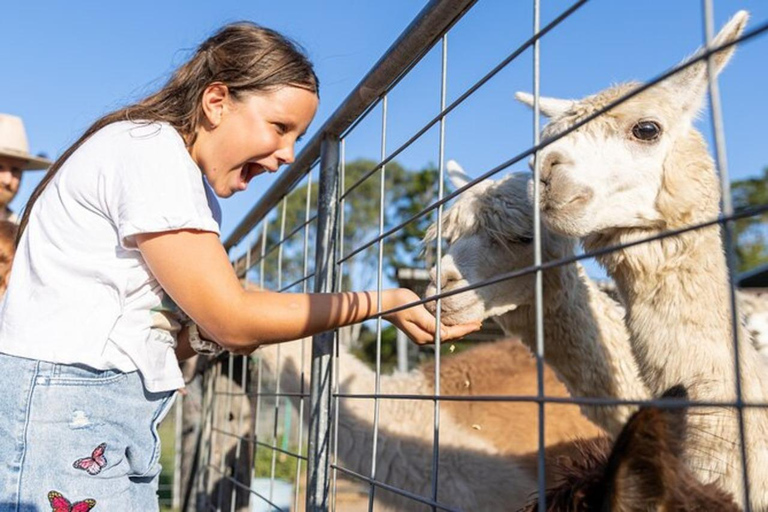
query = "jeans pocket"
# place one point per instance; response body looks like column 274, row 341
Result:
column 164, row 406
column 78, row 375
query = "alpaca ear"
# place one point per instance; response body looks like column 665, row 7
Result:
column 456, row 174
column 647, row 456
column 459, row 178
column 691, row 83
column 550, row 107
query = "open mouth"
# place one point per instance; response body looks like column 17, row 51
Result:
column 248, row 172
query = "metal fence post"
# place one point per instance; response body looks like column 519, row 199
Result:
column 318, row 466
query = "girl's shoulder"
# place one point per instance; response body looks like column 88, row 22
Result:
column 130, row 155
column 139, row 134
column 132, row 144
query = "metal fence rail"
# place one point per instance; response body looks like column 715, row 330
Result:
column 270, row 433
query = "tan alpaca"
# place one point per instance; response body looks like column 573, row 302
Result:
column 489, row 230
column 651, row 173
column 487, row 449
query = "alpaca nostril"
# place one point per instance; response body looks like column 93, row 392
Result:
column 448, row 277
column 548, row 164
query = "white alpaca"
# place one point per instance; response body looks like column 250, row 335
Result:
column 636, row 171
column 489, row 230
column 493, row 468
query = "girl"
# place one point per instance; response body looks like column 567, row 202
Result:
column 123, row 217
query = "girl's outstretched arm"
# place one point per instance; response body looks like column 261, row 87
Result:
column 193, row 268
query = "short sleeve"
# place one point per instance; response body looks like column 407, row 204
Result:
column 158, row 187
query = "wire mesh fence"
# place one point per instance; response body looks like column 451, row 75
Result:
column 309, row 425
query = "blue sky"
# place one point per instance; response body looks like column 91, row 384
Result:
column 66, row 63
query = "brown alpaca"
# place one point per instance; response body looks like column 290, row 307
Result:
column 506, row 368
column 644, row 471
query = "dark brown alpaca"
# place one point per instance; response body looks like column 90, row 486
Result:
column 643, row 472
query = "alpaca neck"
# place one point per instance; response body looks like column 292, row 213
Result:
column 679, row 318
column 585, row 342
column 679, row 311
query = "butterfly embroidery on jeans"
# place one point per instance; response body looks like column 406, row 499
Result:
column 94, row 463
column 61, row 504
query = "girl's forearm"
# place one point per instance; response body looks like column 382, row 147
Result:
column 264, row 317
column 186, row 262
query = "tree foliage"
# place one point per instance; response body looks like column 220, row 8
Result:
column 751, row 232
column 406, row 193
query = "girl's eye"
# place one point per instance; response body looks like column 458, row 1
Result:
column 281, row 128
column 646, row 131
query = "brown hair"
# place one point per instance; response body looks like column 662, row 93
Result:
column 243, row 56
column 8, row 231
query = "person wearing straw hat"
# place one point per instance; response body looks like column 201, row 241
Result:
column 14, row 159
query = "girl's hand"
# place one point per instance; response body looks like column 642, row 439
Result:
column 418, row 323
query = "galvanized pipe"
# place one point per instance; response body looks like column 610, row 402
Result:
column 318, row 464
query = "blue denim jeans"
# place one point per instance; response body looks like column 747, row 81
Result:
column 70, row 434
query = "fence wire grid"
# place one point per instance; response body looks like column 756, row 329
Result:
column 292, row 426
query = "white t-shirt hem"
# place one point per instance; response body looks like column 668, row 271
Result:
column 132, row 228
column 162, row 385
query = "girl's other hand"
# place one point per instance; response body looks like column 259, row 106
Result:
column 418, row 323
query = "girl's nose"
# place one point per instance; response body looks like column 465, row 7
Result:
column 285, row 155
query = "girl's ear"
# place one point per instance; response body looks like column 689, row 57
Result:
column 215, row 102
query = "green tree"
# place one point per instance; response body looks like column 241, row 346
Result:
column 751, row 232
column 406, row 193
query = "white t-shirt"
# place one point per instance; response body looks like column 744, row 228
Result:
column 80, row 291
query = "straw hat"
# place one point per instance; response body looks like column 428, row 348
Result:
column 13, row 143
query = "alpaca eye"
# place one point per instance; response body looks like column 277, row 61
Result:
column 646, row 131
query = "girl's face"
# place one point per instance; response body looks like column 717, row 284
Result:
column 244, row 138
